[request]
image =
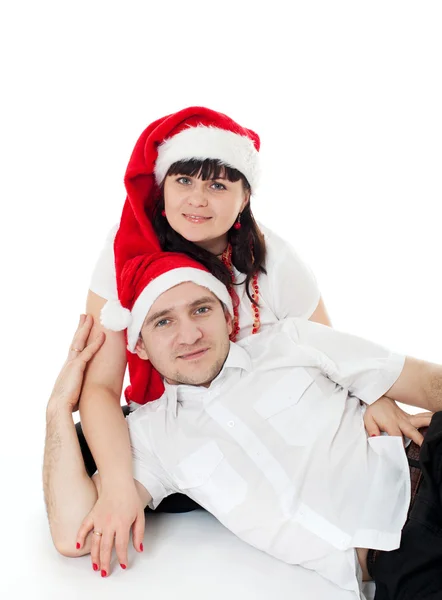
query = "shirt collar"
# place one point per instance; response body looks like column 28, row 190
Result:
column 237, row 358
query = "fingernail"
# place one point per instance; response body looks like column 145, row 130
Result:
column 122, row 566
column 95, row 567
column 141, row 547
column 103, row 573
column 78, row 546
column 373, row 435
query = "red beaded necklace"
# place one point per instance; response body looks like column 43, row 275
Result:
column 226, row 259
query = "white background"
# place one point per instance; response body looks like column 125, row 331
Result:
column 346, row 97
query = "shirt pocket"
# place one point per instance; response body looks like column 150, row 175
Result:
column 288, row 411
column 208, row 478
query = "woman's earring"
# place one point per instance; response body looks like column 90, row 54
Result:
column 237, row 224
column 163, row 212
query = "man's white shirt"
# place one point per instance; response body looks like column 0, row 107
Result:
column 276, row 448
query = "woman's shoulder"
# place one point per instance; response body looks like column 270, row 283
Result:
column 104, row 280
column 278, row 249
column 110, row 237
column 289, row 283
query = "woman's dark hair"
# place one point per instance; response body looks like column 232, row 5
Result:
column 248, row 245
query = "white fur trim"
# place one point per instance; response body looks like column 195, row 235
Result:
column 114, row 316
column 203, row 142
column 163, row 283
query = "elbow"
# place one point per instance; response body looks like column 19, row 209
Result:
column 66, row 546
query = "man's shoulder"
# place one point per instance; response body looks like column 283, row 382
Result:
column 143, row 411
column 275, row 338
column 271, row 333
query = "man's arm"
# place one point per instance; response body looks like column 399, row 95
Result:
column 69, row 492
column 419, row 384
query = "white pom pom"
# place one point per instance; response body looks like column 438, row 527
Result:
column 114, row 316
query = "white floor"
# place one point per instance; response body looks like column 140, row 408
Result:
column 186, row 556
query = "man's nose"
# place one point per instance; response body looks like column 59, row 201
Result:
column 189, row 333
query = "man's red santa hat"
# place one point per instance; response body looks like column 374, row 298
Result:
column 192, row 133
column 143, row 280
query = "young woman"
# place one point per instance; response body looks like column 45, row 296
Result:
column 189, row 183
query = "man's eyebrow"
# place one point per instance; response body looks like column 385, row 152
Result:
column 203, row 300
column 163, row 313
column 157, row 315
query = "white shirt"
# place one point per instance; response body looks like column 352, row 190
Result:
column 276, row 448
column 289, row 289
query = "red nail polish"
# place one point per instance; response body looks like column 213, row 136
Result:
column 78, row 546
column 141, row 547
column 95, row 567
column 103, row 573
column 123, row 566
column 373, row 435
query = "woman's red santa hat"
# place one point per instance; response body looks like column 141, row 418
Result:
column 192, row 133
column 143, row 280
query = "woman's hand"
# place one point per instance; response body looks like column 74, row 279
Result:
column 385, row 415
column 67, row 388
column 117, row 510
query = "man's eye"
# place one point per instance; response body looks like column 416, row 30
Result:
column 202, row 310
column 162, row 323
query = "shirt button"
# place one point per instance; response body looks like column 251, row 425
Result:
column 231, row 423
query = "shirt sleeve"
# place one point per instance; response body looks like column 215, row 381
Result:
column 147, row 469
column 293, row 285
column 366, row 369
column 104, row 279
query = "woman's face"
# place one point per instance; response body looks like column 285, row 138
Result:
column 203, row 211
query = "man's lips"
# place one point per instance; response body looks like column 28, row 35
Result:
column 193, row 355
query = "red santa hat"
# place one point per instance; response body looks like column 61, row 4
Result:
column 192, row 133
column 143, row 280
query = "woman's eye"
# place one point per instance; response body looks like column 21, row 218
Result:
column 184, row 180
column 218, row 186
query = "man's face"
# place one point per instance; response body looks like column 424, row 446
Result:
column 186, row 335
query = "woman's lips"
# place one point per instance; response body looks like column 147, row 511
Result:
column 196, row 218
column 194, row 355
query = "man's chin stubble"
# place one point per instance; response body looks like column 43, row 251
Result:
column 204, row 379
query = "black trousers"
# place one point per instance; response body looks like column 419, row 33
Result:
column 175, row 503
column 414, row 571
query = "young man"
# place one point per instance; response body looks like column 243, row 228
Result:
column 267, row 434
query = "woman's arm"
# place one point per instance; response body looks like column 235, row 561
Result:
column 117, row 509
column 320, row 314
column 103, row 423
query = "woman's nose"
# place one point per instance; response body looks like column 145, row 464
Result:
column 197, row 197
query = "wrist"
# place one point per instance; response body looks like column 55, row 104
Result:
column 116, row 480
column 55, row 408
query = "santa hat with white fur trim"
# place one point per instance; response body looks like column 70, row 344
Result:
column 192, row 133
column 143, row 280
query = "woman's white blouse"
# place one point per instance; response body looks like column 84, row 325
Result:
column 289, row 288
